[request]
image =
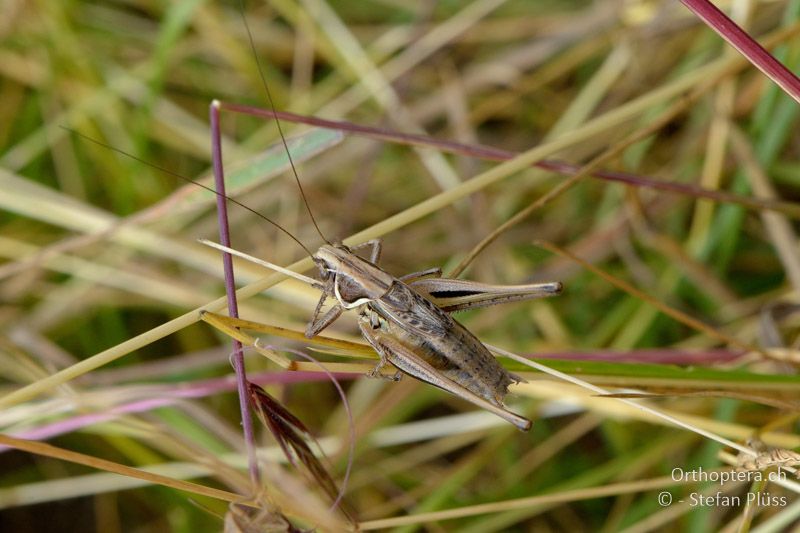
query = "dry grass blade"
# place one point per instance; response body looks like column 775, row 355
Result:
column 664, row 308
column 787, row 402
column 47, row 450
column 521, row 503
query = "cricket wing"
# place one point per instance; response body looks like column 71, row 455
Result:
column 412, row 312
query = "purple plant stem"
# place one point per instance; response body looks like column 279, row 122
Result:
column 498, row 154
column 230, row 291
column 746, row 45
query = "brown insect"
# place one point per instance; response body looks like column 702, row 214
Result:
column 407, row 321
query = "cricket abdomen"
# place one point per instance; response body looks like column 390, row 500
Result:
column 444, row 343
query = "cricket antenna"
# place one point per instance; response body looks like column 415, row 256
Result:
column 188, row 180
column 278, row 122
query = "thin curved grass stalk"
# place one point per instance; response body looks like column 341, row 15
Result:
column 48, row 450
column 664, row 308
column 351, row 429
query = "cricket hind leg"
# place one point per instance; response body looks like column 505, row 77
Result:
column 376, row 370
column 406, row 359
column 410, row 279
column 368, row 323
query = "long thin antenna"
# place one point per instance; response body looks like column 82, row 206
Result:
column 188, row 180
column 278, row 122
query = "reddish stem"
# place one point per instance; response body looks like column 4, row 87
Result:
column 749, row 48
column 230, row 290
column 497, row 154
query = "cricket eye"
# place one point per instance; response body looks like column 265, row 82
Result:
column 324, row 270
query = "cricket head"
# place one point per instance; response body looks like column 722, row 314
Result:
column 355, row 281
column 329, row 259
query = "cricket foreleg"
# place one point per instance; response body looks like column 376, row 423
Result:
column 318, row 323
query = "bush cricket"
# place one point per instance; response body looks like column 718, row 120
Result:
column 400, row 319
column 407, row 320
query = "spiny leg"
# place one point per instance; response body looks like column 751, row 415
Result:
column 367, row 325
column 376, row 371
column 409, row 279
column 457, row 294
column 318, row 323
column 410, row 362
